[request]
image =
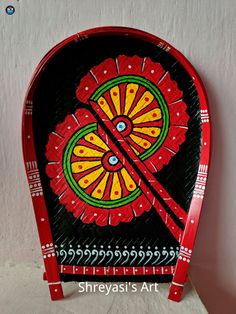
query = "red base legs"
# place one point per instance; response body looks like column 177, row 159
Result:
column 55, row 289
column 56, row 292
column 176, row 290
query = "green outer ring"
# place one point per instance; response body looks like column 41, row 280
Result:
column 92, row 127
column 155, row 91
column 72, row 182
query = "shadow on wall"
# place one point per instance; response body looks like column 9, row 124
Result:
column 208, row 264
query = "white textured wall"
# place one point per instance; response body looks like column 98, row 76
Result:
column 204, row 30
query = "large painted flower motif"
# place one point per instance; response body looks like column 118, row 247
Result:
column 146, row 107
column 139, row 96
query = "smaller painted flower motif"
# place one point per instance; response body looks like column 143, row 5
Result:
column 89, row 179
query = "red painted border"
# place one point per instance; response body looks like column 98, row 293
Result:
column 51, row 266
column 116, row 271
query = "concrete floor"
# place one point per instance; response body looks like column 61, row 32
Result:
column 23, row 291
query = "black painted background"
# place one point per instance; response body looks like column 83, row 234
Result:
column 54, row 98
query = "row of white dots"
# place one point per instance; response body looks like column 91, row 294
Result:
column 49, row 255
column 200, row 187
column 184, row 259
column 37, row 194
column 186, row 249
column 34, row 176
column 198, row 196
column 35, row 185
column 47, row 245
column 117, row 247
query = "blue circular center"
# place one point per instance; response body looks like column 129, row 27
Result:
column 10, row 10
column 113, row 160
column 121, row 126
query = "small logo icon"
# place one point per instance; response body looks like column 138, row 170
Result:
column 10, row 10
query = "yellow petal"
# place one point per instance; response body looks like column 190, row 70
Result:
column 98, row 192
column 115, row 96
column 129, row 182
column 80, row 166
column 115, row 188
column 140, row 141
column 105, row 107
column 149, row 116
column 90, row 178
column 143, row 102
column 96, row 140
column 135, row 150
column 151, row 131
column 84, row 151
column 130, row 94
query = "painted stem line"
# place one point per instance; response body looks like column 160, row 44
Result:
column 101, row 116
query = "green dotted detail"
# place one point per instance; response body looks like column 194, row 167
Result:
column 73, row 183
column 156, row 93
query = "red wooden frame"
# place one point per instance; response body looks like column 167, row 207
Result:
column 53, row 270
